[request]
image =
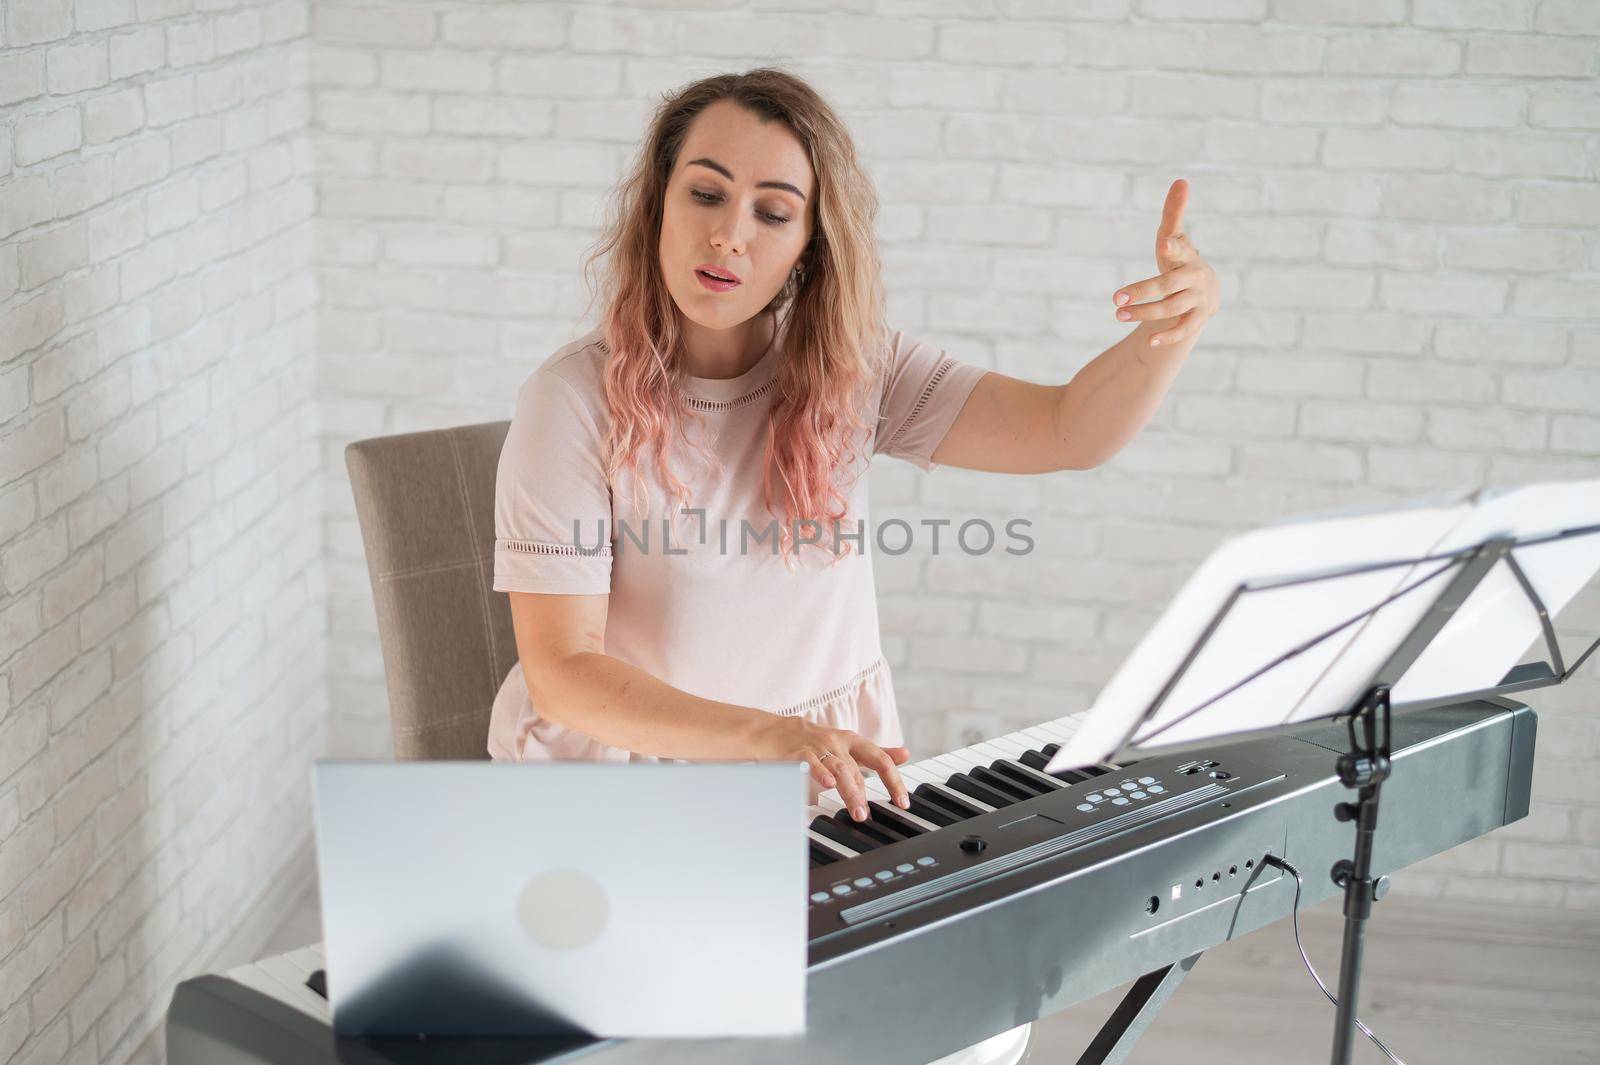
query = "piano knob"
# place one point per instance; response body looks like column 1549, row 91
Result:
column 973, row 844
column 1345, row 811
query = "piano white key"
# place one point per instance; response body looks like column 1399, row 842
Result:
column 257, row 979
column 917, row 774
column 991, row 750
column 1011, row 748
column 966, row 759
column 831, row 802
column 1061, row 735
column 294, row 986
column 948, row 764
column 1037, row 737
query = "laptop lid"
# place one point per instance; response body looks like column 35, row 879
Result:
column 579, row 898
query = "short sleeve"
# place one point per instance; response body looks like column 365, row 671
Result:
column 551, row 478
column 924, row 390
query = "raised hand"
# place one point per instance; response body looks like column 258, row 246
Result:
column 1185, row 290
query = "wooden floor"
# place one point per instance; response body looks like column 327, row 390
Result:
column 1443, row 982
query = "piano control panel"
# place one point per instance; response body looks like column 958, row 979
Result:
column 992, row 820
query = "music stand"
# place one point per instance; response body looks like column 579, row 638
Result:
column 1440, row 610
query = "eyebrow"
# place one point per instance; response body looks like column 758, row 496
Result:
column 719, row 168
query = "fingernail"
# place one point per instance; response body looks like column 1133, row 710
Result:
column 1122, row 297
column 861, row 813
column 1124, row 315
column 905, row 803
column 1155, row 341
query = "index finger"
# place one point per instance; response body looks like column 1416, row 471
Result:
column 880, row 761
column 1172, row 210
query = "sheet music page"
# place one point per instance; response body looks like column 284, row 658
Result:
column 1497, row 624
column 1267, row 624
column 1262, row 626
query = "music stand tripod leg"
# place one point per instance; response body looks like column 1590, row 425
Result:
column 1112, row 1044
column 1363, row 769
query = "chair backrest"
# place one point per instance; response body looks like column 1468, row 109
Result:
column 425, row 503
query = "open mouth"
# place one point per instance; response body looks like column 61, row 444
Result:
column 713, row 281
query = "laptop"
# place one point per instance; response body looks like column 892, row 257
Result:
column 567, row 898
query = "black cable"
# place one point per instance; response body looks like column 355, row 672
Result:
column 1273, row 859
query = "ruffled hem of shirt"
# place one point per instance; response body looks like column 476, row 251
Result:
column 865, row 704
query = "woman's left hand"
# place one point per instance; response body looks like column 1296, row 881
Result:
column 1186, row 289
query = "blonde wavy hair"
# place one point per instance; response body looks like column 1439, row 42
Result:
column 834, row 300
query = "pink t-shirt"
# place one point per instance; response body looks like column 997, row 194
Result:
column 710, row 618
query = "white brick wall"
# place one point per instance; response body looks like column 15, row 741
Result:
column 1400, row 199
column 236, row 235
column 161, row 605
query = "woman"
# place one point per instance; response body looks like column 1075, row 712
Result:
column 681, row 512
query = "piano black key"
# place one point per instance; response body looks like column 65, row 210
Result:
column 1034, row 760
column 866, row 829
column 928, row 812
column 967, row 786
column 888, row 819
column 1004, row 785
column 941, row 796
column 1039, row 759
column 1043, row 781
column 827, row 826
column 819, row 856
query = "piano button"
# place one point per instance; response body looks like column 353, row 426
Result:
column 820, row 896
column 831, row 846
column 905, row 867
column 966, row 785
column 960, row 806
column 858, row 843
column 842, row 889
column 1021, row 772
column 1120, row 800
column 1138, row 795
column 1086, row 807
column 924, row 861
column 937, row 815
column 1129, row 785
column 883, row 874
column 865, row 829
column 1002, row 784
column 1147, row 780
column 1157, row 789
column 1113, row 791
column 1095, row 796
column 863, row 881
